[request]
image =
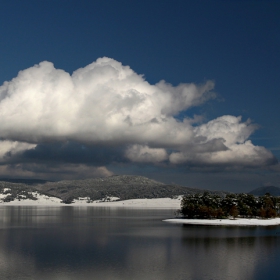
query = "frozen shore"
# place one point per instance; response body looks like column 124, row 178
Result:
column 227, row 222
column 42, row 200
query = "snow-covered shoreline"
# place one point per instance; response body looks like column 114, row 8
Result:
column 157, row 203
column 227, row 222
column 42, row 200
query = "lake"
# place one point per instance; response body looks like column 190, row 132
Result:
column 105, row 243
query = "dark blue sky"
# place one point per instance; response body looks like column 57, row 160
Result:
column 233, row 43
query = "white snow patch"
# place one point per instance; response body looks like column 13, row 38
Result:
column 2, row 196
column 43, row 200
column 227, row 222
column 167, row 203
column 142, row 203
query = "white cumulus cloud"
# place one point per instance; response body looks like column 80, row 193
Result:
column 105, row 101
column 108, row 104
column 9, row 148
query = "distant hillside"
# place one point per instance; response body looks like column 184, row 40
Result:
column 123, row 187
column 274, row 191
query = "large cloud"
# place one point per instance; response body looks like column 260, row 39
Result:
column 104, row 101
column 110, row 106
column 223, row 141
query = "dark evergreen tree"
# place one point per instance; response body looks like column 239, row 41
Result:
column 206, row 206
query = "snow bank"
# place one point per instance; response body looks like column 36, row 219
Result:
column 227, row 222
column 144, row 203
column 43, row 200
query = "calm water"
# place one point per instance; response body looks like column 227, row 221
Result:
column 94, row 243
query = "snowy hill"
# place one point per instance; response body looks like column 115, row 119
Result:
column 123, row 187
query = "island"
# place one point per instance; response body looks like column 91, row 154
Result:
column 233, row 209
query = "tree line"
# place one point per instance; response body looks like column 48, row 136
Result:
column 207, row 206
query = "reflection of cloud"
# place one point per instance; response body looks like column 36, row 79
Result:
column 106, row 113
column 27, row 216
column 64, row 243
column 158, row 259
column 222, row 257
column 13, row 265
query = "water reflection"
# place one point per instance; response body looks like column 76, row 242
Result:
column 229, row 252
column 105, row 243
